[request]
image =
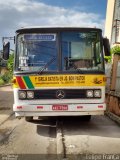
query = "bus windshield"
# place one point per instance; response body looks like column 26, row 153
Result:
column 67, row 51
column 34, row 51
column 81, row 51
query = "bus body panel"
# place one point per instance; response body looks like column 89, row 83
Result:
column 59, row 71
column 52, row 114
column 74, row 106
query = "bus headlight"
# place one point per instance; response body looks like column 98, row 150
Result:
column 22, row 94
column 97, row 93
column 89, row 93
column 30, row 94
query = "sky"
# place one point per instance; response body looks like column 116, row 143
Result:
column 15, row 14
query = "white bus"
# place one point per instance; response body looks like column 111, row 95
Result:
column 59, row 71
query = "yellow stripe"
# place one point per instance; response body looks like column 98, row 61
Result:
column 69, row 80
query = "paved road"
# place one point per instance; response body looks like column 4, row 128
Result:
column 28, row 138
column 101, row 135
column 6, row 102
column 69, row 136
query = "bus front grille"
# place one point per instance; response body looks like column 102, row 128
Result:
column 59, row 94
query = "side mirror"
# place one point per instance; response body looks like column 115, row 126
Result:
column 106, row 45
column 6, row 50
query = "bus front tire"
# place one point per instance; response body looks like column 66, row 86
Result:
column 87, row 118
column 29, row 119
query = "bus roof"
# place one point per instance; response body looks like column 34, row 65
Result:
column 37, row 29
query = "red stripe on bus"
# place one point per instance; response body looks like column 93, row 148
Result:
column 21, row 83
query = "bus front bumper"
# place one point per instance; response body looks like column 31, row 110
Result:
column 59, row 110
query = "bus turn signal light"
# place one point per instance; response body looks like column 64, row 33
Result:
column 13, row 81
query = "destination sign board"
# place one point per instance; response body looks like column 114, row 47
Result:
column 40, row 37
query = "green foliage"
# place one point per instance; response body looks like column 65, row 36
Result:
column 115, row 50
column 108, row 59
column 10, row 63
column 1, row 81
column 6, row 78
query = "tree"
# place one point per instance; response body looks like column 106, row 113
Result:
column 115, row 50
column 10, row 63
column 8, row 75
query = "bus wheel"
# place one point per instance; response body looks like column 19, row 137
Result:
column 28, row 119
column 87, row 118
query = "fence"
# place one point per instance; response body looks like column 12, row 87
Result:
column 108, row 68
column 113, row 86
column 117, row 87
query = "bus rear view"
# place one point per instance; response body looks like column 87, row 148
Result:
column 59, row 72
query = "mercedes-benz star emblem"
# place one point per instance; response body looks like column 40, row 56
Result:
column 60, row 94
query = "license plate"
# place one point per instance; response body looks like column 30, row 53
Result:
column 60, row 107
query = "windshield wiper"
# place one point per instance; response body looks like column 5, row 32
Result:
column 77, row 69
column 46, row 65
column 74, row 66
